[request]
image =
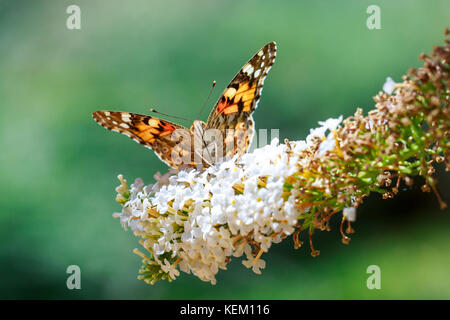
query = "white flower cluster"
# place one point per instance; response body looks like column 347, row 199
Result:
column 198, row 220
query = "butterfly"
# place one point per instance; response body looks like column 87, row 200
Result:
column 227, row 132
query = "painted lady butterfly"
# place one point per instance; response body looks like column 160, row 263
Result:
column 230, row 121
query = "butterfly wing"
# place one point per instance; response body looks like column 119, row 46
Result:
column 235, row 106
column 162, row 136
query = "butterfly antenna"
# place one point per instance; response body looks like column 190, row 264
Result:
column 209, row 95
column 168, row 115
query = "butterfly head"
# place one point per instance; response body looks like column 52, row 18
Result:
column 198, row 127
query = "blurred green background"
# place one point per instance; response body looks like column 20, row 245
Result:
column 58, row 167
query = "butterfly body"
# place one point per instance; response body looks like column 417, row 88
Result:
column 227, row 132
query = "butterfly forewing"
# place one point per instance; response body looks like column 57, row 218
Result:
column 161, row 136
column 232, row 114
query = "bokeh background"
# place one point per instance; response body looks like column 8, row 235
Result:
column 58, row 167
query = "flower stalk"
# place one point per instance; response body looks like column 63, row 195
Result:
column 197, row 221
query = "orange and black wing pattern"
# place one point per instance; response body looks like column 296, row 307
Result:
column 153, row 133
column 234, row 108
